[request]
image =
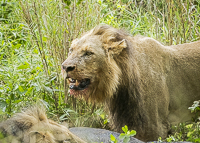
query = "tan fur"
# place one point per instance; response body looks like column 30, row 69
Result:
column 144, row 84
column 32, row 126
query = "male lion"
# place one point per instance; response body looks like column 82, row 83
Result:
column 145, row 85
column 32, row 126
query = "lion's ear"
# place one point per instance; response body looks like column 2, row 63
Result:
column 116, row 47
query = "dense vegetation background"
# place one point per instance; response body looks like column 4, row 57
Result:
column 35, row 36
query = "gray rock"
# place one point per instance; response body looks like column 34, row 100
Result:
column 94, row 135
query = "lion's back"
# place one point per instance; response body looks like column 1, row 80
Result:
column 171, row 72
column 184, row 81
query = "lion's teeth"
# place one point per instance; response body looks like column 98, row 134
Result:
column 70, row 79
column 76, row 82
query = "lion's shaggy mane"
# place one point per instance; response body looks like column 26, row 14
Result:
column 156, row 85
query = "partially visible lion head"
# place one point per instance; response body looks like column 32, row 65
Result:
column 32, row 126
column 91, row 67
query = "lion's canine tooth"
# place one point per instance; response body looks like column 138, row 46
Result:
column 71, row 80
column 76, row 83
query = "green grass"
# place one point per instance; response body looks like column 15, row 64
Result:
column 35, row 37
column 171, row 22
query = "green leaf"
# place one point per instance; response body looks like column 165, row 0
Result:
column 12, row 96
column 126, row 140
column 53, row 78
column 48, row 89
column 2, row 103
column 189, row 134
column 132, row 133
column 68, row 2
column 79, row 2
column 64, row 117
column 122, row 136
column 105, row 121
column 17, row 46
column 17, row 101
column 3, row 42
column 125, row 129
column 1, row 136
column 24, row 66
column 21, row 89
column 35, row 51
column 197, row 140
column 102, row 116
column 112, row 138
column 44, row 39
column 189, row 126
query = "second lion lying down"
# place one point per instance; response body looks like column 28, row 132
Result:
column 32, row 126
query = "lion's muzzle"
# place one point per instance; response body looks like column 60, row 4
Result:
column 78, row 85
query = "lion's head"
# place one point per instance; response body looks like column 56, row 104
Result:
column 90, row 67
column 32, row 126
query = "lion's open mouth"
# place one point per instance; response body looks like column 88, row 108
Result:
column 78, row 84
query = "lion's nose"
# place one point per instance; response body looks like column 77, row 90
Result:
column 68, row 68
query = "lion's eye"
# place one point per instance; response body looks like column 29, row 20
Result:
column 88, row 53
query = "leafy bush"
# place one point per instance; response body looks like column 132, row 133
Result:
column 187, row 131
column 35, row 40
column 171, row 22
